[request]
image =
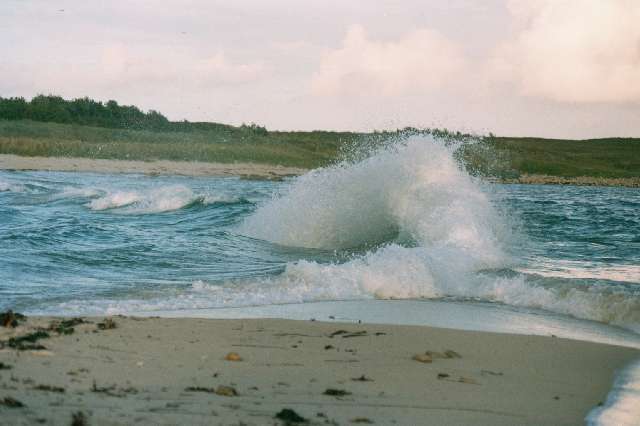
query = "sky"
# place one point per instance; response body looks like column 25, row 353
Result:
column 550, row 68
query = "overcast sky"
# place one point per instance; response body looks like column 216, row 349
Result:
column 554, row 68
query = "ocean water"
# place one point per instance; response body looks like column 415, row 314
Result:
column 405, row 222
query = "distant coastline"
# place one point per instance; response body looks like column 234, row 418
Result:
column 52, row 127
column 246, row 170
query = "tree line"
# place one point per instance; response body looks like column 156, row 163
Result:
column 88, row 112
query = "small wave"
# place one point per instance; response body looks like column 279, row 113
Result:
column 585, row 270
column 11, row 187
column 115, row 200
column 156, row 200
column 223, row 199
column 73, row 192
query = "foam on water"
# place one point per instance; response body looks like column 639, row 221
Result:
column 10, row 187
column 436, row 229
column 585, row 270
column 623, row 403
column 153, row 200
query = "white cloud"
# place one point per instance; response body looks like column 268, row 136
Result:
column 573, row 50
column 421, row 61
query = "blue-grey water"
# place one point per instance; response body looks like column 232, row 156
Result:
column 98, row 243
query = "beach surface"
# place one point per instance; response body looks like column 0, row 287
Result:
column 158, row 167
column 127, row 370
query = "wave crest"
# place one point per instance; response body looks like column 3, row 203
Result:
column 156, row 200
column 437, row 231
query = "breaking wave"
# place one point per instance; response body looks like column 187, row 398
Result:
column 156, row 200
column 429, row 230
column 11, row 187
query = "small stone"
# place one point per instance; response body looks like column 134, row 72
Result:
column 336, row 392
column 78, row 419
column 11, row 402
column 424, row 358
column 233, row 356
column 226, row 391
column 362, row 378
column 289, row 416
column 362, row 420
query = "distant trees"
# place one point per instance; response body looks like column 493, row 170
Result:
column 87, row 112
column 82, row 111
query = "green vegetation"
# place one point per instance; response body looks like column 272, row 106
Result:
column 52, row 126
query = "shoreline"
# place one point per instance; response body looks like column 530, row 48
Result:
column 246, row 170
column 578, row 181
column 179, row 370
column 155, row 167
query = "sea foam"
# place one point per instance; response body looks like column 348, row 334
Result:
column 429, row 231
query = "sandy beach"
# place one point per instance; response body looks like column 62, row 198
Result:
column 159, row 167
column 265, row 371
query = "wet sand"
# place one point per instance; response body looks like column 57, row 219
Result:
column 159, row 167
column 179, row 371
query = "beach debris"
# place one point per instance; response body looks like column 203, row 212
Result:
column 442, row 376
column 429, row 356
column 381, row 333
column 346, row 334
column 447, row 354
column 79, row 419
column 112, row 390
column 11, row 319
column 199, row 389
column 65, row 326
column 49, row 388
column 11, row 402
column 424, row 358
column 288, row 416
column 326, row 348
column 28, row 341
column 220, row 390
column 491, row 373
column 355, row 334
column 468, row 381
column 362, row 378
column 107, row 324
column 4, row 366
column 556, row 398
column 223, row 390
column 233, row 356
column 336, row 392
column 363, row 420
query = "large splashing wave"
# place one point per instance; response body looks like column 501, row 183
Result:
column 431, row 231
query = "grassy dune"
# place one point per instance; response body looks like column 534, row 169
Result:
column 502, row 157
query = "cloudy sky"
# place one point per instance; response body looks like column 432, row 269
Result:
column 554, row 68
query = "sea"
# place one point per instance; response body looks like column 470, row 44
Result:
column 401, row 235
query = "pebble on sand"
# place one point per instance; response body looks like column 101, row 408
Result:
column 233, row 356
column 424, row 358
